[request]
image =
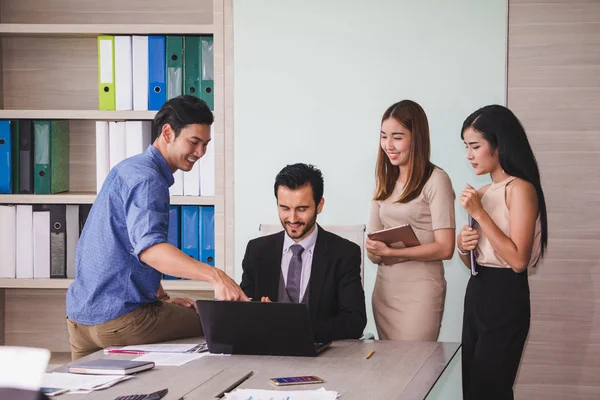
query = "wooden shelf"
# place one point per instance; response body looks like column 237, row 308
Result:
column 88, row 198
column 97, row 115
column 82, row 30
column 64, row 284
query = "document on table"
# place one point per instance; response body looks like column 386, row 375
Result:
column 81, row 383
column 170, row 359
column 23, row 367
column 259, row 394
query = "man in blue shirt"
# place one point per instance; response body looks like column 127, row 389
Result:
column 116, row 297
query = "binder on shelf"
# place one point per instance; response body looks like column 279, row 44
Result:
column 174, row 66
column 14, row 138
column 191, row 65
column 156, row 72
column 123, row 73
column 84, row 211
column 207, row 235
column 176, row 188
column 173, row 233
column 140, row 74
column 8, row 216
column 58, row 241
column 59, row 156
column 41, row 242
column 208, row 70
column 137, row 137
column 106, row 73
column 191, row 181
column 72, row 231
column 24, row 245
column 190, row 224
column 116, row 142
column 102, row 153
column 207, row 171
column 5, row 157
column 24, row 131
column 41, row 155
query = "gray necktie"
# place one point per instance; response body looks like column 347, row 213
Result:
column 294, row 273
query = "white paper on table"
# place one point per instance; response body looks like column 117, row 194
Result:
column 85, row 382
column 23, row 367
column 259, row 394
column 162, row 347
column 170, row 359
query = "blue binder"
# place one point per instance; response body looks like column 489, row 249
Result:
column 190, row 231
column 157, row 88
column 173, row 233
column 5, row 158
column 207, row 235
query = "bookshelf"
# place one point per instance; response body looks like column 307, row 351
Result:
column 64, row 284
column 89, row 197
column 50, row 71
column 94, row 30
column 96, row 115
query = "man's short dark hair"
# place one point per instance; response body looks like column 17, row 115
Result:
column 182, row 111
column 297, row 175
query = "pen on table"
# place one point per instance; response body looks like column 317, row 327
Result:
column 234, row 385
column 370, row 354
column 117, row 351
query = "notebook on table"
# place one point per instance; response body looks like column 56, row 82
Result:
column 110, row 367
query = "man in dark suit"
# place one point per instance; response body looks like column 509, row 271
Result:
column 305, row 263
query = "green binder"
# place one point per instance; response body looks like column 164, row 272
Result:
column 191, row 65
column 59, row 157
column 174, row 66
column 41, row 157
column 51, row 157
column 14, row 130
column 207, row 72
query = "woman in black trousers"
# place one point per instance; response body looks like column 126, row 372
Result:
column 508, row 235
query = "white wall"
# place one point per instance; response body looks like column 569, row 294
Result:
column 312, row 79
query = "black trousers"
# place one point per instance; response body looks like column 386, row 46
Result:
column 495, row 326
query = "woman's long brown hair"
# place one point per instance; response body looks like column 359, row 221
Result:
column 410, row 115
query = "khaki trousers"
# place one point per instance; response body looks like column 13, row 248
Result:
column 151, row 323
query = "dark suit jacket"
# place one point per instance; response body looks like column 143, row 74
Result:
column 336, row 301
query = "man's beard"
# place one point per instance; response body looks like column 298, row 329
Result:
column 307, row 227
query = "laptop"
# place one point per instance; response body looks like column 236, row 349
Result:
column 250, row 327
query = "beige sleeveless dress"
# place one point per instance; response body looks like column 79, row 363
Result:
column 408, row 298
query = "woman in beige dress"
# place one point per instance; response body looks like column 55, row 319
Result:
column 410, row 288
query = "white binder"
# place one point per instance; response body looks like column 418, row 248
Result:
column 140, row 72
column 8, row 217
column 102, row 153
column 24, row 241
column 123, row 73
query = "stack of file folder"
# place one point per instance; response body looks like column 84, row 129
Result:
column 192, row 230
column 34, row 157
column 143, row 72
column 39, row 241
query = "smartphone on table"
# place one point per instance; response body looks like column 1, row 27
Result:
column 296, row 380
column 50, row 392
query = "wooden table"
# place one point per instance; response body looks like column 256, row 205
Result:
column 397, row 370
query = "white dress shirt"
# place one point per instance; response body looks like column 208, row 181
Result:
column 307, row 256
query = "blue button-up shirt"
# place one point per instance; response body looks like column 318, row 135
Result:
column 130, row 214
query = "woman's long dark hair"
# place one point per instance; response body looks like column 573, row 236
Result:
column 502, row 129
